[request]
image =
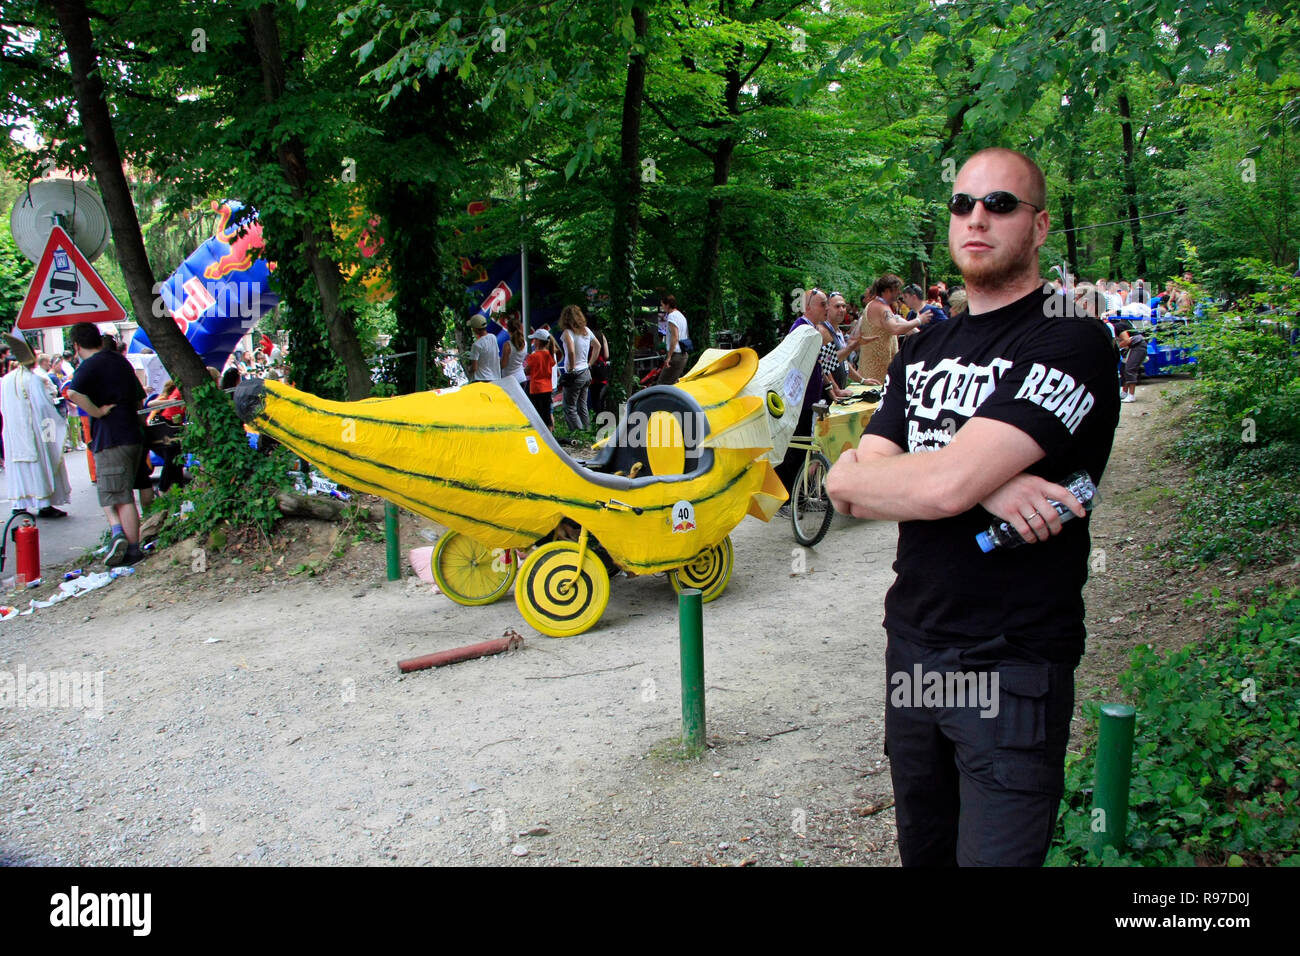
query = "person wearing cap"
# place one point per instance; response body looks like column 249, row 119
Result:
column 33, row 429
column 484, row 360
column 539, row 367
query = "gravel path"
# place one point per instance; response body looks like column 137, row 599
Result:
column 246, row 722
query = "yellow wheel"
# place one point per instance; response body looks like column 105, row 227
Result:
column 710, row 571
column 471, row 573
column 551, row 601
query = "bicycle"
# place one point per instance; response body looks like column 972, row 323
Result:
column 811, row 511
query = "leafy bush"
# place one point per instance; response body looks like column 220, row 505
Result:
column 233, row 483
column 1243, row 436
column 1216, row 753
column 1247, row 508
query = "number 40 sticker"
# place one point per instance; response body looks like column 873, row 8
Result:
column 683, row 517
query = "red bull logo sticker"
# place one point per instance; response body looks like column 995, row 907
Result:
column 683, row 517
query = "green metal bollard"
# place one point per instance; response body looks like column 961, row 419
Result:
column 690, row 618
column 391, row 542
column 1114, row 768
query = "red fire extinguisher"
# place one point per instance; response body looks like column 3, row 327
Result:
column 27, row 541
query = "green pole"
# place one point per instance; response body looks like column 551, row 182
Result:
column 391, row 542
column 1114, row 767
column 421, row 363
column 690, row 617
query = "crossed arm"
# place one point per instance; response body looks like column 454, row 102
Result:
column 984, row 464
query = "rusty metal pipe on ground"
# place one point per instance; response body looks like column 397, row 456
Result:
column 458, row 654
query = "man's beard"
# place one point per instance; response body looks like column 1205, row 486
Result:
column 1007, row 266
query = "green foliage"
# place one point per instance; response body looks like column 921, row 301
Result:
column 791, row 143
column 1246, row 509
column 15, row 274
column 1243, row 437
column 233, row 484
column 1216, row 754
column 584, row 436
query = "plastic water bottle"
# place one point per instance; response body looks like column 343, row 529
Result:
column 1003, row 535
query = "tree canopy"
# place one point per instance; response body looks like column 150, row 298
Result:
column 731, row 152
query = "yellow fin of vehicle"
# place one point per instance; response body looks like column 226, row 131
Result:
column 707, row 358
column 720, row 379
column 724, row 416
column 765, row 502
column 749, row 432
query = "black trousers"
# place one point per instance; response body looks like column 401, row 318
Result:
column 977, row 784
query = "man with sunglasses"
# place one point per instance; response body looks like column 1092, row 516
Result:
column 1005, row 400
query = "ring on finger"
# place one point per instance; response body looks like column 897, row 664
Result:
column 1033, row 516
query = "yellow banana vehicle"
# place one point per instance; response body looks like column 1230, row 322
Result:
column 684, row 466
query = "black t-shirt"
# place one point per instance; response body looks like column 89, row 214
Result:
column 1049, row 375
column 107, row 378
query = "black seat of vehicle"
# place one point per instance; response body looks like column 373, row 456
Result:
column 630, row 442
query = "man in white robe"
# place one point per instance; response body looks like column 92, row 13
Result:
column 34, row 431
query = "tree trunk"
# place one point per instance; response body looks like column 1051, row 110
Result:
column 175, row 351
column 413, row 219
column 1130, row 184
column 707, row 286
column 1067, row 224
column 310, row 506
column 759, row 321
column 919, row 273
column 952, row 128
column 623, row 299
column 316, row 236
column 1067, row 207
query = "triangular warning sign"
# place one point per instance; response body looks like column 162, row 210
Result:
column 65, row 290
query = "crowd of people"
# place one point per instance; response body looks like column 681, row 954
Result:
column 534, row 361
column 93, row 398
column 253, row 363
column 859, row 341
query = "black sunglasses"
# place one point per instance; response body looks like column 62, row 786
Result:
column 1000, row 202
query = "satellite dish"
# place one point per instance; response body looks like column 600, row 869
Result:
column 50, row 202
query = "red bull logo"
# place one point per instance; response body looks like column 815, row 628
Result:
column 197, row 301
column 240, row 256
column 683, row 517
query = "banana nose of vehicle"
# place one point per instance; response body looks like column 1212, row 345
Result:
column 250, row 398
